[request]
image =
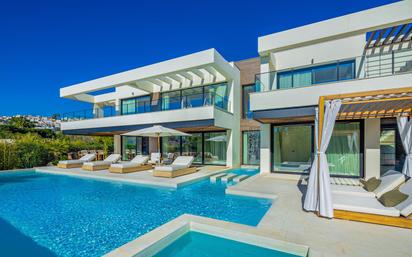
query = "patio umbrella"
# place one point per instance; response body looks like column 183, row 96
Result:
column 156, row 131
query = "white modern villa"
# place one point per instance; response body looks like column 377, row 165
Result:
column 346, row 79
column 198, row 94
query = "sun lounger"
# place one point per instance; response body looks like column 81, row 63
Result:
column 390, row 180
column 76, row 163
column 101, row 165
column 138, row 163
column 180, row 167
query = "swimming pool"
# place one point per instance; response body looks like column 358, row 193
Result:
column 83, row 217
column 195, row 244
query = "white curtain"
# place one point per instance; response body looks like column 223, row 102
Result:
column 318, row 193
column 405, row 131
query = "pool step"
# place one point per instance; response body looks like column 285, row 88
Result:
column 228, row 177
column 240, row 178
column 216, row 177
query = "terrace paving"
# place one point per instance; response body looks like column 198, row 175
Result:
column 286, row 220
column 141, row 177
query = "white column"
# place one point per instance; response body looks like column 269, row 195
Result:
column 265, row 155
column 117, row 144
column 372, row 151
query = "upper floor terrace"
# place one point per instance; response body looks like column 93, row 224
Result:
column 368, row 50
column 171, row 91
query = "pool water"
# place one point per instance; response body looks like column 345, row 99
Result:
column 195, row 244
column 244, row 171
column 84, row 217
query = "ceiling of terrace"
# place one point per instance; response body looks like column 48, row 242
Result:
column 201, row 68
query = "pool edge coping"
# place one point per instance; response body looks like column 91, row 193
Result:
column 154, row 241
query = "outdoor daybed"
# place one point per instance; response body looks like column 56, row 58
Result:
column 138, row 163
column 369, row 209
column 179, row 167
column 390, row 180
column 68, row 164
column 101, row 165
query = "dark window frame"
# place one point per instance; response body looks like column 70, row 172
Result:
column 318, row 67
column 361, row 150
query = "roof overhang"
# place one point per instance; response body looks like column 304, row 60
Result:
column 344, row 26
column 201, row 68
column 374, row 104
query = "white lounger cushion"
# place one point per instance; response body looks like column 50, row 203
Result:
column 170, row 167
column 109, row 160
column 362, row 204
column 141, row 159
column 113, row 158
column 97, row 163
column 87, row 158
column 135, row 162
column 181, row 162
column 405, row 207
column 351, row 190
column 71, row 162
column 389, row 181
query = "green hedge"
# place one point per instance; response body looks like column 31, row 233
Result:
column 30, row 149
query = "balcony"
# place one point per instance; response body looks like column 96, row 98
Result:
column 148, row 106
column 356, row 68
column 304, row 87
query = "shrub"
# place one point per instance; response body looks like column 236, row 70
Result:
column 7, row 155
column 31, row 151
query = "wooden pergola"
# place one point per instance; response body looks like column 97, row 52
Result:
column 388, row 103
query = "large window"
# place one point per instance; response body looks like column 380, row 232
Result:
column 171, row 100
column 246, row 90
column 344, row 149
column 171, row 145
column 251, row 147
column 206, row 147
column 216, row 94
column 192, row 146
column 139, row 104
column 293, row 149
column 316, row 75
column 132, row 146
column 215, row 148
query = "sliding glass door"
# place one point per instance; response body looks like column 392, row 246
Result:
column 293, row 149
column 206, row 147
column 192, row 146
column 215, row 148
column 132, row 146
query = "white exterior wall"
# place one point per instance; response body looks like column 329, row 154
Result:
column 372, row 148
column 117, row 144
column 308, row 96
column 329, row 51
column 265, row 142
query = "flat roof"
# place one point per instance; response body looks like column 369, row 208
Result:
column 200, row 67
column 343, row 26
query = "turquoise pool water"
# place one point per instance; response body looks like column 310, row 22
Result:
column 195, row 244
column 244, row 171
column 70, row 216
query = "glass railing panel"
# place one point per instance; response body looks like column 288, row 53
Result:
column 360, row 67
column 163, row 104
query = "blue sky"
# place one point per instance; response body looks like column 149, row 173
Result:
column 45, row 45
